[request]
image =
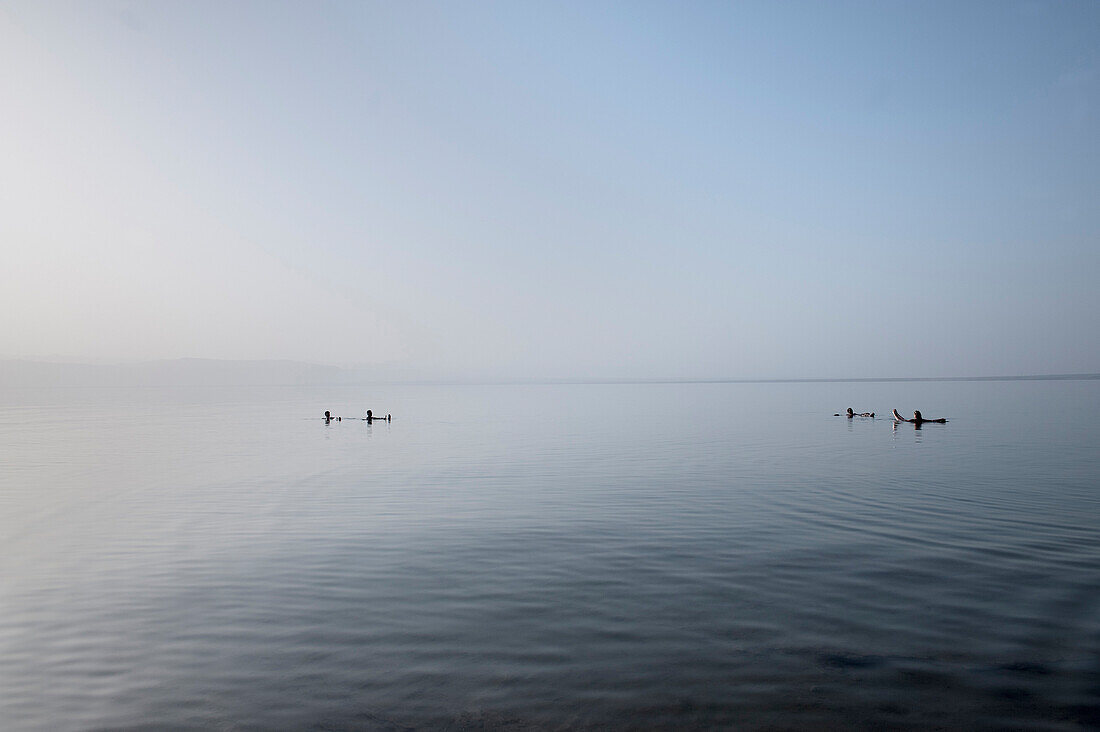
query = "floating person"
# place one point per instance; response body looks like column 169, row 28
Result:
column 849, row 413
column 917, row 418
column 370, row 417
column 329, row 417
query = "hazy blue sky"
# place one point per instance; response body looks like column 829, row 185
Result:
column 545, row 189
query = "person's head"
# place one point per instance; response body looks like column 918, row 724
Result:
column 850, row 411
column 327, row 415
column 916, row 415
column 369, row 414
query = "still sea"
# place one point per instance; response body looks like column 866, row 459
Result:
column 557, row 556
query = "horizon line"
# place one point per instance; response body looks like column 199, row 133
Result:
column 503, row 380
column 813, row 379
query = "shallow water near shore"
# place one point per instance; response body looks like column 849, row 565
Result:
column 551, row 556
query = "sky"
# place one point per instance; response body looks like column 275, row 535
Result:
column 555, row 190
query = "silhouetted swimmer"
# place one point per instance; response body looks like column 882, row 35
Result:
column 917, row 418
column 329, row 417
column 371, row 417
column 849, row 414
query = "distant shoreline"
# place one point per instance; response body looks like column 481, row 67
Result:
column 869, row 379
column 210, row 372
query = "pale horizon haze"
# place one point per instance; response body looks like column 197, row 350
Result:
column 555, row 190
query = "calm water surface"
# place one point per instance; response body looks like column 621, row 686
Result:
column 561, row 556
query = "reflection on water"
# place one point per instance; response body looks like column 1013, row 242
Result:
column 517, row 557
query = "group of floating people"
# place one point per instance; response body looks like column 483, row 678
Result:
column 368, row 419
column 917, row 418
